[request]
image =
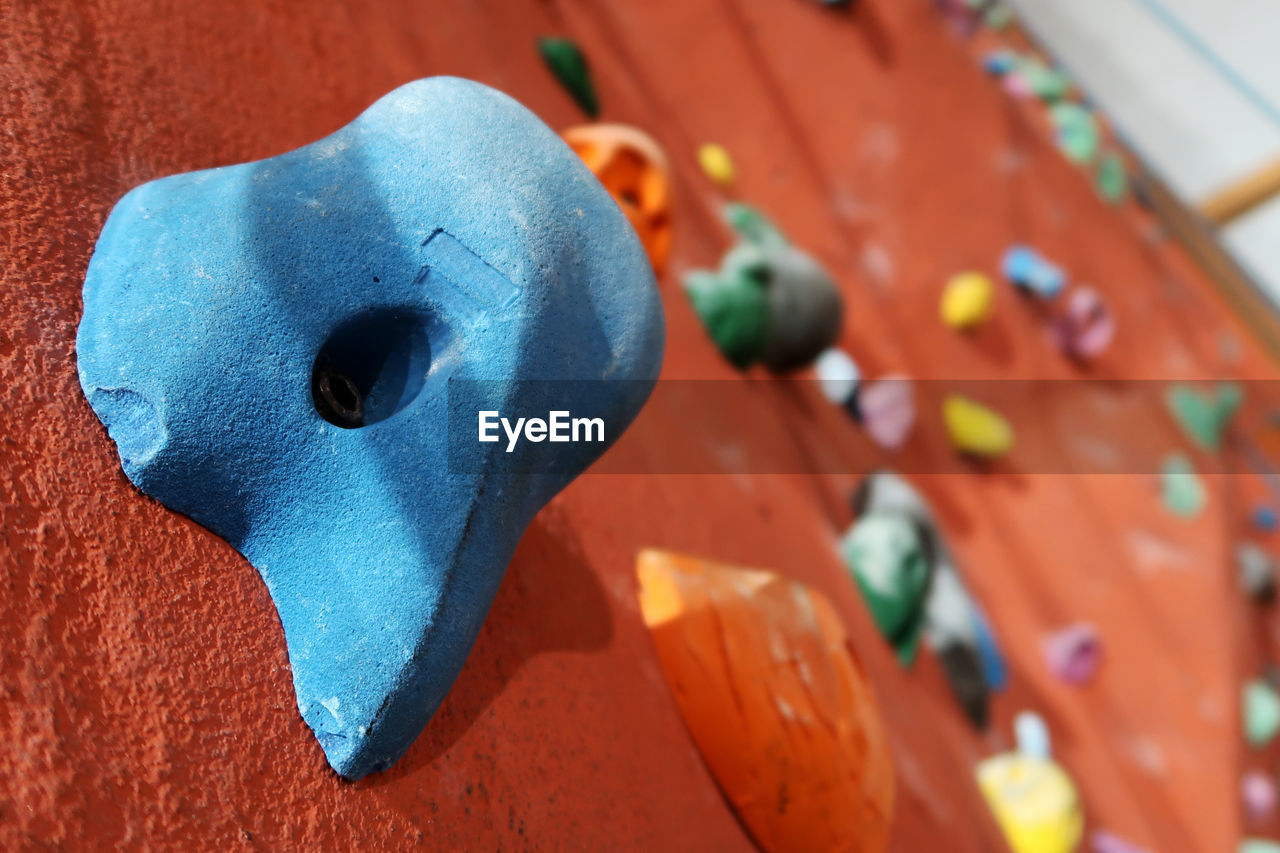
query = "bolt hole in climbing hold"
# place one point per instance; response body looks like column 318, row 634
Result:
column 337, row 398
column 371, row 366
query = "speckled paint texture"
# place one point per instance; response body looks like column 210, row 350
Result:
column 445, row 234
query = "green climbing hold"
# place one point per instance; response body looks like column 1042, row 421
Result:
column 566, row 61
column 1181, row 489
column 1260, row 709
column 1112, row 178
column 886, row 555
column 1077, row 131
column 1258, row 845
column 752, row 226
column 735, row 311
column 998, row 16
column 1204, row 418
column 1047, row 84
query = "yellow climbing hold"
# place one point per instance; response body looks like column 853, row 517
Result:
column 966, row 302
column 1034, row 801
column 717, row 163
column 976, row 429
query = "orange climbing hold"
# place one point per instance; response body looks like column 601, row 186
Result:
column 633, row 168
column 776, row 701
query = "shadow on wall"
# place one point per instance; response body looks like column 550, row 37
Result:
column 549, row 601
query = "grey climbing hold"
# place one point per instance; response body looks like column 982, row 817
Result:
column 1255, row 572
column 769, row 302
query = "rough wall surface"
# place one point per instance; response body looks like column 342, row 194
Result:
column 147, row 699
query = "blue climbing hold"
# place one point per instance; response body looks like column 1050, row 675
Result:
column 1031, row 272
column 995, row 671
column 274, row 347
column 1265, row 518
column 999, row 62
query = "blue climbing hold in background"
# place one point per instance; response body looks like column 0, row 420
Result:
column 999, row 62
column 273, row 346
column 1265, row 518
column 1029, row 270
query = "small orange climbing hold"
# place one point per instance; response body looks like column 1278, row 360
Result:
column 775, row 700
column 633, row 168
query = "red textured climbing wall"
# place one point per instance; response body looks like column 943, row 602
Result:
column 147, row 699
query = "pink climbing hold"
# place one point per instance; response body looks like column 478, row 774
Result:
column 888, row 411
column 1017, row 85
column 1108, row 842
column 1074, row 653
column 1258, row 792
column 1086, row 328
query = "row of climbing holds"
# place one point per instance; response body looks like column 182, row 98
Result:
column 779, row 706
column 1082, row 329
column 765, row 304
column 1076, row 125
column 1203, row 418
